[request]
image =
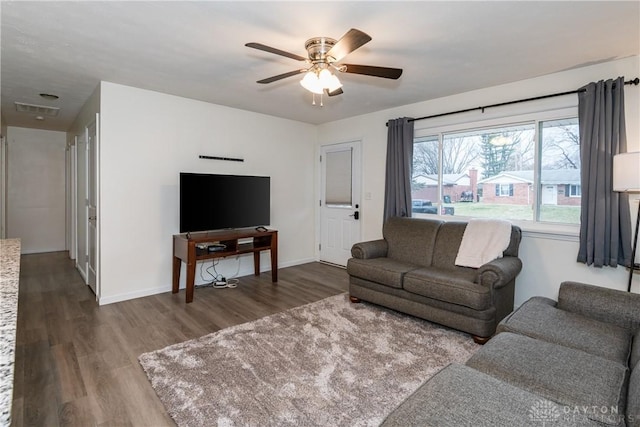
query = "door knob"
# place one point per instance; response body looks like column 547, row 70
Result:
column 355, row 215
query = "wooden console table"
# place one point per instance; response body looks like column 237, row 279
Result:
column 184, row 249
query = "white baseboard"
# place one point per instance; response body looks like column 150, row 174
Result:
column 103, row 300
column 40, row 251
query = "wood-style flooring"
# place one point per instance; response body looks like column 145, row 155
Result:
column 76, row 362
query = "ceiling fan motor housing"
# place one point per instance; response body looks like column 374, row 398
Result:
column 318, row 47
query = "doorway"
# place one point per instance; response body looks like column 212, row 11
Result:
column 92, row 206
column 340, row 203
column 35, row 194
column 81, row 206
column 87, row 228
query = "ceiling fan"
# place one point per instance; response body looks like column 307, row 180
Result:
column 324, row 53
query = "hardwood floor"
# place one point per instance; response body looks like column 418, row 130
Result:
column 76, row 362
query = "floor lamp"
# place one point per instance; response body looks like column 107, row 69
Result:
column 626, row 179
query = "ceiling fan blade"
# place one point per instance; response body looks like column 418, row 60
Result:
column 280, row 76
column 369, row 70
column 352, row 40
column 270, row 49
column 334, row 93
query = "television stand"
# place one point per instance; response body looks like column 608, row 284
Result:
column 184, row 249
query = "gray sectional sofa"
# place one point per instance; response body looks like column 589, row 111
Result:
column 574, row 362
column 412, row 269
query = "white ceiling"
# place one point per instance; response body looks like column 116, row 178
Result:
column 196, row 50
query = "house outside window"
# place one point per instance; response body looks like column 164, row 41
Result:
column 525, row 170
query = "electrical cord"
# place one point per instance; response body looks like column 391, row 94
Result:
column 217, row 277
column 208, row 272
column 217, row 280
column 219, row 285
column 213, row 266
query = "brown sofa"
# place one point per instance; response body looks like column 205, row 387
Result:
column 412, row 269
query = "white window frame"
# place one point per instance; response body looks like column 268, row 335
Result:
column 575, row 190
column 504, row 193
column 535, row 113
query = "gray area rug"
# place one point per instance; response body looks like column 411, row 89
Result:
column 328, row 363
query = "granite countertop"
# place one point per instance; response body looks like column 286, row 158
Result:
column 9, row 275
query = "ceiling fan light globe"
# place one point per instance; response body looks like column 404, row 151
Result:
column 501, row 141
column 311, row 83
column 309, row 78
column 324, row 77
column 334, row 83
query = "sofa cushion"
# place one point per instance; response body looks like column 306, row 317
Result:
column 452, row 286
column 411, row 240
column 385, row 271
column 603, row 304
column 447, row 244
column 539, row 318
column 564, row 375
column 635, row 351
column 633, row 398
column 461, row 396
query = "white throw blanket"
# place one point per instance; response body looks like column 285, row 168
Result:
column 484, row 240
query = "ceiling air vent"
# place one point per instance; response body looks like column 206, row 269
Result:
column 41, row 110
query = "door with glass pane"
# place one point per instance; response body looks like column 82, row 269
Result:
column 340, row 208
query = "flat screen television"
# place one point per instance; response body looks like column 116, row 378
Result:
column 215, row 202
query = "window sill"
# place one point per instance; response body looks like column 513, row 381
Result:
column 548, row 231
column 566, row 232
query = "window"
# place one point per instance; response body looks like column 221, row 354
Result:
column 528, row 170
column 338, row 191
column 504, row 190
column 559, row 167
column 574, row 191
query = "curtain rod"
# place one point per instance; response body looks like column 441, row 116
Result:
column 635, row 81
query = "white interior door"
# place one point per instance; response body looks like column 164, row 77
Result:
column 92, row 204
column 82, row 258
column 340, row 205
column 73, row 200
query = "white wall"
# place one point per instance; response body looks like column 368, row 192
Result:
column 547, row 259
column 147, row 139
column 36, row 189
column 3, row 177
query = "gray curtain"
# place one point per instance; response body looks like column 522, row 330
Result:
column 397, row 185
column 605, row 223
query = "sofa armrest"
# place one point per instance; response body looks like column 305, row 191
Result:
column 603, row 304
column 499, row 272
column 370, row 249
